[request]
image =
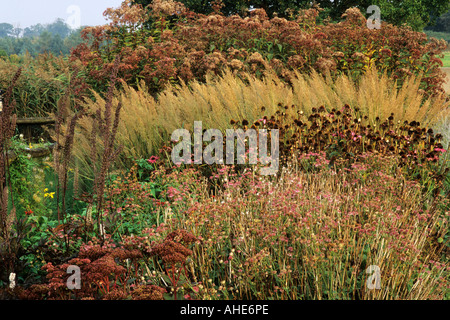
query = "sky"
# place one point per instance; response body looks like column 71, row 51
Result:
column 76, row 13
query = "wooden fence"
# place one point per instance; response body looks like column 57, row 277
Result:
column 35, row 121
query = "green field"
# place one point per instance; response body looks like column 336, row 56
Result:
column 446, row 60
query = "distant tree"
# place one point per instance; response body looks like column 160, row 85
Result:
column 74, row 39
column 34, row 30
column 6, row 44
column 57, row 38
column 57, row 45
column 26, row 46
column 442, row 23
column 59, row 27
column 6, row 30
column 44, row 42
column 16, row 32
column 415, row 13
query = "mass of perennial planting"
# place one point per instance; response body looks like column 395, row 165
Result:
column 363, row 177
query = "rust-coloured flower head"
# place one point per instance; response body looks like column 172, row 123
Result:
column 148, row 292
column 171, row 252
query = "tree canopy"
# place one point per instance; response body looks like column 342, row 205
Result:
column 442, row 23
column 6, row 30
column 57, row 38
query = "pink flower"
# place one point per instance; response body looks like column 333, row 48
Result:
column 439, row 150
column 355, row 137
column 153, row 159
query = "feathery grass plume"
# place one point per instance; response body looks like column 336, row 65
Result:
column 147, row 122
column 376, row 96
column 7, row 218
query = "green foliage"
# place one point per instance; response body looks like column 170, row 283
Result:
column 44, row 81
column 415, row 13
column 135, row 200
column 31, row 179
column 34, row 257
column 441, row 24
column 20, row 172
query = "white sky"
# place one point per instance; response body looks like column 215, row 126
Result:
column 24, row 13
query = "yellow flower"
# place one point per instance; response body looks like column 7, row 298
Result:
column 49, row 195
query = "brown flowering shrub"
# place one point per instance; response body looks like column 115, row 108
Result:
column 148, row 292
column 179, row 44
column 399, row 51
column 118, row 271
column 174, row 254
column 108, row 272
